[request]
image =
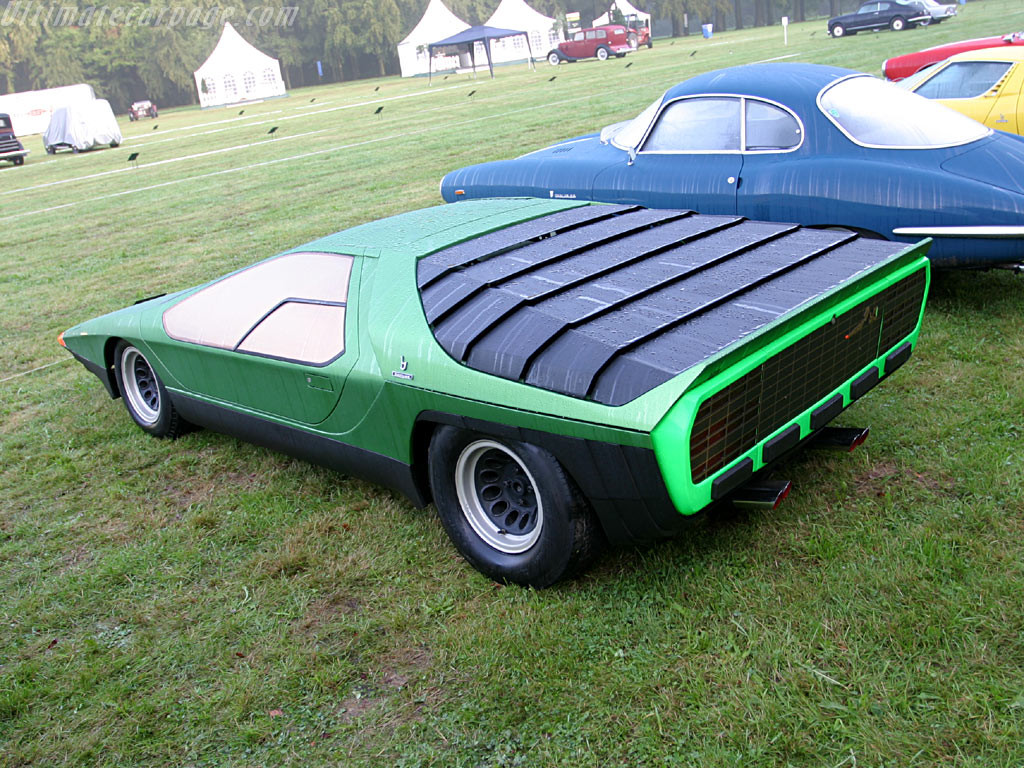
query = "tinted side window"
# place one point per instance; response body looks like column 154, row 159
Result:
column 964, row 80
column 769, row 127
column 292, row 307
column 711, row 124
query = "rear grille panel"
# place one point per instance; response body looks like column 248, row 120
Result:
column 733, row 420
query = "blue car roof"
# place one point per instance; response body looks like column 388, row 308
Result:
column 792, row 84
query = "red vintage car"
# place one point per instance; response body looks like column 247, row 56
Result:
column 900, row 67
column 596, row 42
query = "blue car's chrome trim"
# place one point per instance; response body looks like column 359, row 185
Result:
column 997, row 232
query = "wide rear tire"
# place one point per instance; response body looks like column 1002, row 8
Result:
column 602, row 53
column 510, row 509
column 898, row 24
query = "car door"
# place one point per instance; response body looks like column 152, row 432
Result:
column 868, row 17
column 690, row 158
column 277, row 338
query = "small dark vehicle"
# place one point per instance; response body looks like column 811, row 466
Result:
column 141, row 109
column 10, row 147
column 894, row 14
column 596, row 42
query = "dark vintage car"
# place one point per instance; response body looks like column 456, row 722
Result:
column 596, row 42
column 550, row 373
column 141, row 109
column 10, row 148
column 879, row 14
column 822, row 146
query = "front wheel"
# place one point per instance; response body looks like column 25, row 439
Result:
column 838, row 30
column 602, row 54
column 144, row 394
column 650, row 43
column 509, row 508
column 898, row 24
column 554, row 59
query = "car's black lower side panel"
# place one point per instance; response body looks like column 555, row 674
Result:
column 333, row 454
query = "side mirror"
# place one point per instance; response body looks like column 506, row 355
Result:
column 632, row 155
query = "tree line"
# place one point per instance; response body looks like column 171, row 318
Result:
column 149, row 49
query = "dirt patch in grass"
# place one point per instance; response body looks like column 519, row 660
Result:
column 877, row 480
column 321, row 613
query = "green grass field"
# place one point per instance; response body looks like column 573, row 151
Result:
column 208, row 603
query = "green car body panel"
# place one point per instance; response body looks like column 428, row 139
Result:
column 371, row 409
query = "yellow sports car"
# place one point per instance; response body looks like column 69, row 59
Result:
column 986, row 84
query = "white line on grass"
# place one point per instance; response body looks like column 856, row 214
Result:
column 34, row 370
column 162, row 162
column 316, row 110
column 290, row 159
column 777, row 58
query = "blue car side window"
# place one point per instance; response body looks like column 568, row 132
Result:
column 709, row 124
column 769, row 127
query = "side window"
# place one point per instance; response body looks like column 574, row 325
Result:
column 592, row 35
column 291, row 307
column 964, row 80
column 703, row 124
column 601, row 34
column 577, row 37
column 296, row 330
column 769, row 127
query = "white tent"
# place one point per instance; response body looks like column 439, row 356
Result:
column 437, row 23
column 237, row 72
column 626, row 7
column 516, row 14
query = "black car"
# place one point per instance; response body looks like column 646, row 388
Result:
column 10, row 148
column 878, row 15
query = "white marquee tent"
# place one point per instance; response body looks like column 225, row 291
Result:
column 627, row 8
column 437, row 23
column 516, row 14
column 237, row 72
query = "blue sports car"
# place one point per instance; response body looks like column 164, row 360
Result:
column 815, row 145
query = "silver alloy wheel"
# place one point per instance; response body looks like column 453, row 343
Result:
column 498, row 497
column 140, row 386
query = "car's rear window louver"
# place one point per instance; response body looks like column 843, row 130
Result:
column 736, row 418
column 607, row 302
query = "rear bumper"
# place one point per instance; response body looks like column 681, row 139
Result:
column 732, row 425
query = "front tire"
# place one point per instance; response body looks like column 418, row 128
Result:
column 144, row 395
column 838, row 30
column 602, row 54
column 509, row 508
column 554, row 59
column 898, row 24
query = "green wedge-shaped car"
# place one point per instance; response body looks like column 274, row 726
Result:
column 551, row 374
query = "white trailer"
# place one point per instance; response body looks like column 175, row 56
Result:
column 30, row 111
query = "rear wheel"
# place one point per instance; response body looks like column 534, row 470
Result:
column 602, row 53
column 633, row 40
column 509, row 508
column 554, row 59
column 838, row 30
column 19, row 161
column 898, row 24
column 144, row 394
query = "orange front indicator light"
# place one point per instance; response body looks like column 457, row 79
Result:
column 60, row 340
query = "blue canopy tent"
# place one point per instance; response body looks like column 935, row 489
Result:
column 468, row 38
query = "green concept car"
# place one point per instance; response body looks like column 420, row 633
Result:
column 551, row 374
